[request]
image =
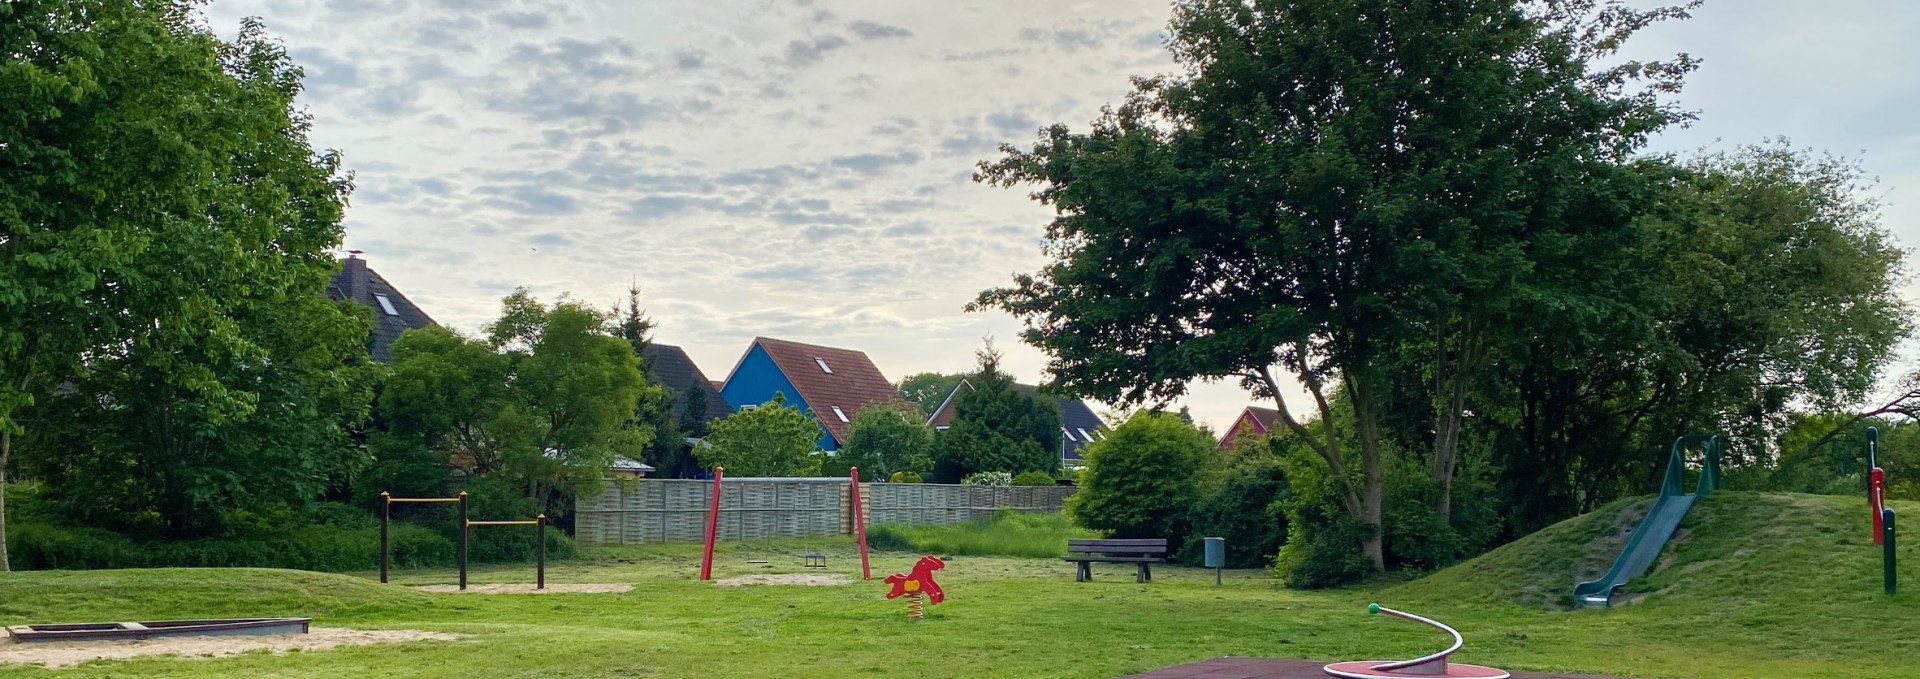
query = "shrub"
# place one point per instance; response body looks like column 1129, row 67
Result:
column 1323, row 541
column 887, row 439
column 991, row 479
column 1033, row 478
column 1142, row 480
column 905, row 477
column 38, row 546
column 1243, row 502
column 1005, row 533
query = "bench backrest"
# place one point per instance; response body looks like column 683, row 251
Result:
column 1110, row 546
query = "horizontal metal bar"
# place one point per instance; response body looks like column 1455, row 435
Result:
column 501, row 523
column 438, row 500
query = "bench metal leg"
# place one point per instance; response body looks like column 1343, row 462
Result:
column 1140, row 574
column 1083, row 572
column 1147, row 568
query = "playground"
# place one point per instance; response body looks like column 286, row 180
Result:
column 1751, row 585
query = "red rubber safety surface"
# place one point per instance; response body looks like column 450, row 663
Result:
column 1363, row 669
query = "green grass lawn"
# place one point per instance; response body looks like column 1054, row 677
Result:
column 1760, row 586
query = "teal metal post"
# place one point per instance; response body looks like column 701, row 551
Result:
column 1873, row 447
column 1892, row 577
column 1709, row 468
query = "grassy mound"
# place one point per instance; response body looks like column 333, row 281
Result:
column 172, row 593
column 1734, row 548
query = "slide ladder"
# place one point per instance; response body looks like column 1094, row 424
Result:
column 1662, row 519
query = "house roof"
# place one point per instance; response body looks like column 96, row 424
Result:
column 849, row 380
column 1075, row 417
column 1260, row 419
column 670, row 366
column 357, row 282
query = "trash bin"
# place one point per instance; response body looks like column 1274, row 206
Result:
column 1216, row 556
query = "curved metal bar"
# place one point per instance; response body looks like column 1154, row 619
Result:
column 1439, row 658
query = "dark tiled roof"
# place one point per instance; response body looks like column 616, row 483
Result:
column 671, row 367
column 361, row 284
column 853, row 384
column 1075, row 416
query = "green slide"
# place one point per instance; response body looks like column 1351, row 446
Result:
column 1662, row 519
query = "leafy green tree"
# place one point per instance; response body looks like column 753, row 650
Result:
column 887, row 438
column 546, row 401
column 1143, row 479
column 928, row 390
column 997, row 428
column 155, row 178
column 774, row 439
column 1347, row 191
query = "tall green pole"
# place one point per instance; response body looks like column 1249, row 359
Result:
column 1893, row 578
column 1873, row 447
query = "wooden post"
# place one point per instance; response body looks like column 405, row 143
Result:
column 463, row 541
column 713, row 526
column 540, row 552
column 860, row 525
column 386, row 516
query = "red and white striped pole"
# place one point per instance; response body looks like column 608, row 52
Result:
column 713, row 526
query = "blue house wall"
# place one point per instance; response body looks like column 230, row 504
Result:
column 757, row 379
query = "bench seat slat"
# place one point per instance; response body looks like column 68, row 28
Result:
column 1114, row 559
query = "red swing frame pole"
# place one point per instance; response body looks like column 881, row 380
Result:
column 859, row 524
column 713, row 526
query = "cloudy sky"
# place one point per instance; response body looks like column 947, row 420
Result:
column 801, row 169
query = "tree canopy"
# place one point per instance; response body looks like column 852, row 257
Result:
column 772, row 439
column 546, row 401
column 157, row 192
column 887, row 438
column 997, row 428
column 1343, row 191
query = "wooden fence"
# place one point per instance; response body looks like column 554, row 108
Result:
column 672, row 510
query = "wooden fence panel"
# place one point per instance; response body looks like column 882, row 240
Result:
column 674, row 510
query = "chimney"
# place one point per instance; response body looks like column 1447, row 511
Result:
column 355, row 269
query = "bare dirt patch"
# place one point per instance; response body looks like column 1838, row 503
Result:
column 528, row 588
column 803, row 579
column 70, row 653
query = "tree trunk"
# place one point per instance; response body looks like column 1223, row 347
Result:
column 6, row 450
column 1367, row 423
column 1453, row 374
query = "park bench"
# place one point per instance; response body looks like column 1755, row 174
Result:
column 1141, row 553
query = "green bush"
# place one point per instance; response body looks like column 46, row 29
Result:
column 38, row 546
column 1142, row 480
column 1323, row 546
column 906, row 477
column 1244, row 502
column 1033, row 478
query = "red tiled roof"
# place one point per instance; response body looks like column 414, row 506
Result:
column 853, row 384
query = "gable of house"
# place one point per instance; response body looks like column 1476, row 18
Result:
column 393, row 313
column 1252, row 420
column 832, row 383
column 671, row 367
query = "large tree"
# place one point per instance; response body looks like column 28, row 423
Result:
column 928, row 390
column 545, row 401
column 1343, row 190
column 771, row 439
column 997, row 427
column 887, row 438
column 152, row 179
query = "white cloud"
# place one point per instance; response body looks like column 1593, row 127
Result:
column 767, row 167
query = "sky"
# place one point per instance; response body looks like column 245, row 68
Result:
column 801, row 169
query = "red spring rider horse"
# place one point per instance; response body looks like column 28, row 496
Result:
column 915, row 582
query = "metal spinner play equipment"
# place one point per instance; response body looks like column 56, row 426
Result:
column 1424, row 667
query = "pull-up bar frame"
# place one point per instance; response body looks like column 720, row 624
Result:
column 386, row 517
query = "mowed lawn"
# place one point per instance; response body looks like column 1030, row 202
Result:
column 1010, row 617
